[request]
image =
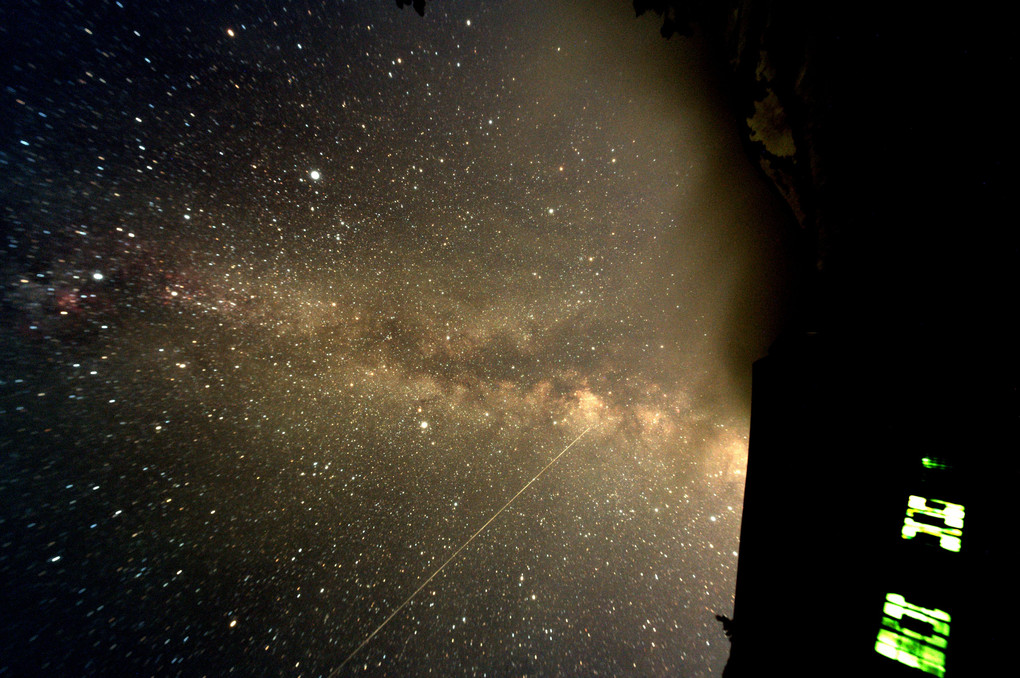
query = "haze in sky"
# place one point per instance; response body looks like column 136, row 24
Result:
column 297, row 295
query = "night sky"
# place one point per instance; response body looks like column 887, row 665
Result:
column 295, row 296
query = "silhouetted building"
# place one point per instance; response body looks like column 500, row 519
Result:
column 882, row 445
column 863, row 543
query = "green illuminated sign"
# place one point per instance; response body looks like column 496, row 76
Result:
column 951, row 515
column 908, row 646
column 910, row 634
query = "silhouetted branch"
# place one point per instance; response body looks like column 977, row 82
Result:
column 419, row 5
column 678, row 16
column 727, row 625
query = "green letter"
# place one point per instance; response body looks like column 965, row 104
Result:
column 951, row 515
column 907, row 646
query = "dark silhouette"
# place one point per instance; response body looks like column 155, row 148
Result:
column 727, row 625
column 419, row 5
column 678, row 16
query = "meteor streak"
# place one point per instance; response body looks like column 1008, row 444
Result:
column 456, row 553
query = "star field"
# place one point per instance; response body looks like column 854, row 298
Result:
column 297, row 295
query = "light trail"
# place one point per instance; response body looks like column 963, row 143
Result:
column 470, row 539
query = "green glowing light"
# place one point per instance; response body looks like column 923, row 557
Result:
column 910, row 647
column 950, row 514
column 934, row 462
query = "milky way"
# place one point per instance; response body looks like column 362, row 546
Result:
column 296, row 297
